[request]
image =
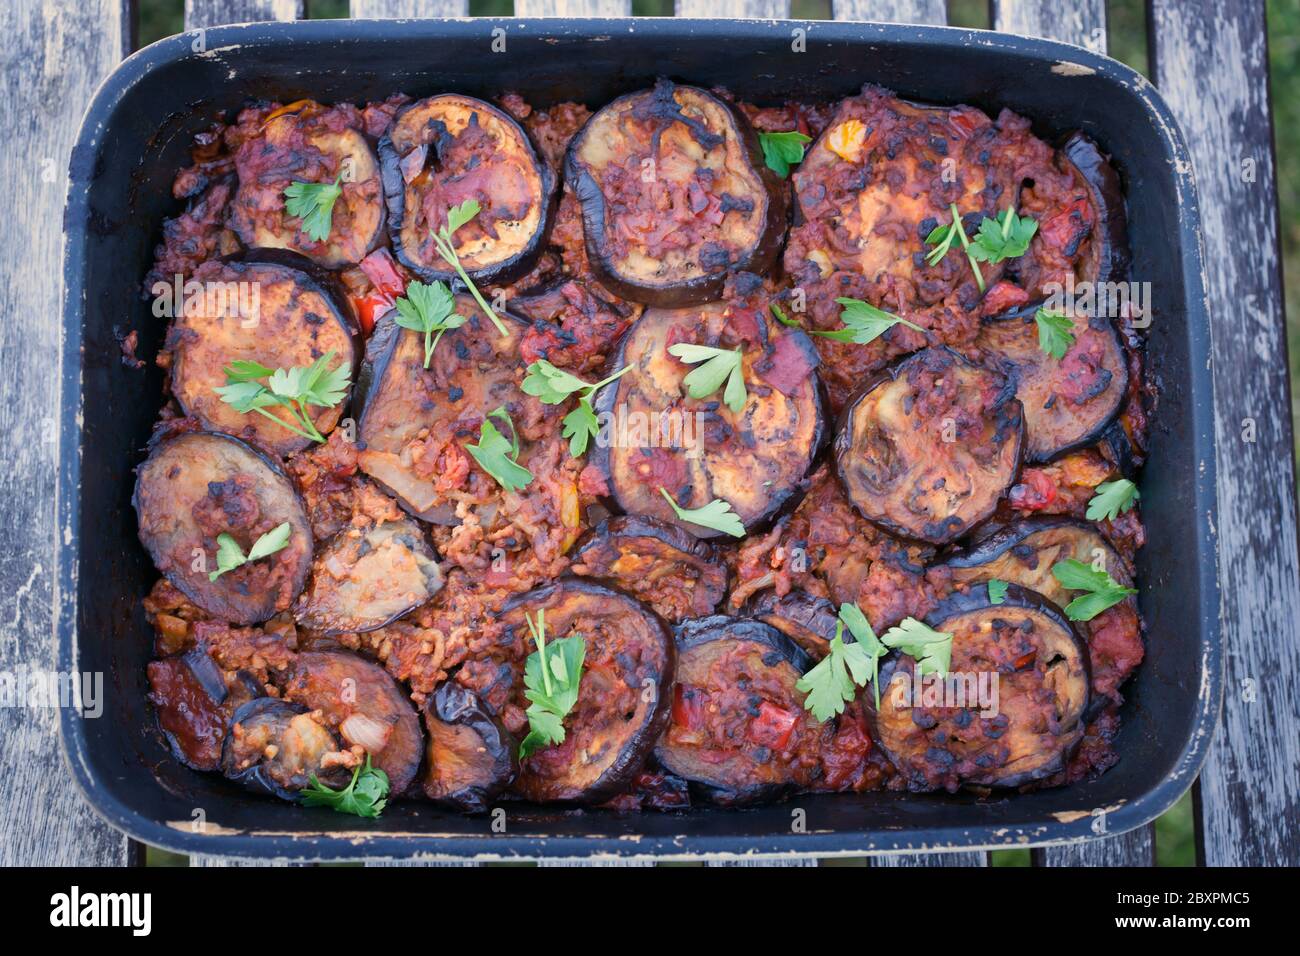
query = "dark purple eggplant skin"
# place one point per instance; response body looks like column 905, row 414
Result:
column 806, row 619
column 633, row 752
column 453, row 704
column 703, row 288
column 322, row 280
column 255, row 778
column 1107, row 194
column 997, row 541
column 503, row 273
column 1117, row 448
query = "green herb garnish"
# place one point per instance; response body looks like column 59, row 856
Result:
column 313, row 203
column 366, row 794
column 997, row 591
column 1005, row 238
column 553, row 385
column 941, row 237
column 716, row 515
column 457, row 216
column 783, row 150
column 864, row 322
column 1103, row 590
column 718, row 366
column 836, row 677
column 1055, row 333
column 293, row 388
column 231, row 556
column 931, row 649
column 430, row 309
column 783, row 318
column 499, row 456
column 1112, row 498
column 552, row 674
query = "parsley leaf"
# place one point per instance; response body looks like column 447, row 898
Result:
column 552, row 675
column 1112, row 498
column 941, row 238
column 864, row 322
column 931, row 649
column 580, row 426
column 717, row 515
column 1055, row 333
column 718, row 365
column 783, row 318
column 313, row 203
column 551, row 385
column 498, row 456
column 1103, row 590
column 997, row 591
column 292, row 388
column 1005, row 238
column 430, row 309
column 231, row 556
column 457, row 216
column 783, row 150
column 366, row 794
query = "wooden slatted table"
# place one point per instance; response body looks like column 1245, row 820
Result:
column 1208, row 59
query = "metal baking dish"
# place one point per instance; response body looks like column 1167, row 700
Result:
column 136, row 135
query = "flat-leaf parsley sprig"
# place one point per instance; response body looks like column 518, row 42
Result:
column 715, row 366
column 1004, row 238
column 313, row 203
column 366, row 794
column 457, row 216
column 1055, row 332
column 1112, row 499
column 498, row 455
column 551, row 386
column 864, row 323
column 230, row 555
column 1102, row 591
column 941, row 237
column 716, row 515
column 931, row 649
column 291, row 388
column 833, row 682
column 552, row 676
column 430, row 309
column 783, row 150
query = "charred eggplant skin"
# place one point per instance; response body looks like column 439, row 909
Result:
column 500, row 273
column 541, row 781
column 806, row 619
column 257, row 776
column 721, row 627
column 1013, row 540
column 1107, row 196
column 487, row 754
column 759, row 258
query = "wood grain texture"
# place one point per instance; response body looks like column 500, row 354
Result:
column 55, row 54
column 1135, row 848
column 762, row 9
column 974, row 858
column 1081, row 22
column 573, row 8
column 1210, row 61
column 400, row 9
column 214, row 13
column 933, row 12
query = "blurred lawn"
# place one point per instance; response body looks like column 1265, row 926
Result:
column 1175, row 842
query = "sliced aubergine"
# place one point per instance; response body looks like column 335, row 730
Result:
column 450, row 149
column 313, row 144
column 806, row 619
column 928, row 447
column 264, row 312
column 472, row 371
column 193, row 705
column 274, row 747
column 197, row 486
column 675, row 195
column 739, row 731
column 575, row 324
column 1008, row 712
column 1068, row 402
column 698, row 449
column 472, row 758
column 364, row 579
column 672, row 571
column 1107, row 257
column 623, row 698
column 362, row 704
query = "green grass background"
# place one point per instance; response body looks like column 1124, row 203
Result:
column 1175, row 842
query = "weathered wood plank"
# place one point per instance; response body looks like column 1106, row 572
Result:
column 1210, row 61
column 399, row 9
column 55, row 54
column 892, row 11
column 762, row 9
column 573, row 8
column 213, row 13
column 792, row 861
column 1082, row 23
column 931, row 859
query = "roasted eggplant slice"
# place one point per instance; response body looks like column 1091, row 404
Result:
column 660, row 564
column 1068, row 402
column 473, row 370
column 623, row 700
column 739, row 731
column 190, row 695
column 675, row 195
column 1107, row 258
column 309, row 143
column 362, row 580
column 262, row 312
column 449, row 149
column 928, row 447
column 806, row 619
column 274, row 747
column 363, row 705
column 196, row 486
column 1010, row 709
column 699, row 449
column 472, row 757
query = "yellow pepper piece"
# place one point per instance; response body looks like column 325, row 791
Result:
column 846, row 140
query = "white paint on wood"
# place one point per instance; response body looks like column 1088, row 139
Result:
column 573, row 8
column 1210, row 63
column 213, row 13
column 1081, row 22
column 403, row 9
column 760, row 9
column 933, row 12
column 931, row 859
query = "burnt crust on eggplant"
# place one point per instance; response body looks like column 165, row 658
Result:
column 806, row 619
column 965, row 459
column 623, row 700
column 471, row 757
column 1109, row 257
column 494, row 249
column 697, row 272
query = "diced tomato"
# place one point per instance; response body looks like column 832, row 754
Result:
column 773, row 726
column 380, row 268
column 688, row 707
column 1003, row 296
column 1035, row 491
column 369, row 308
column 787, row 367
column 1062, row 229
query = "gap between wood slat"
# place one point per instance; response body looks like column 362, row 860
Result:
column 934, row 12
